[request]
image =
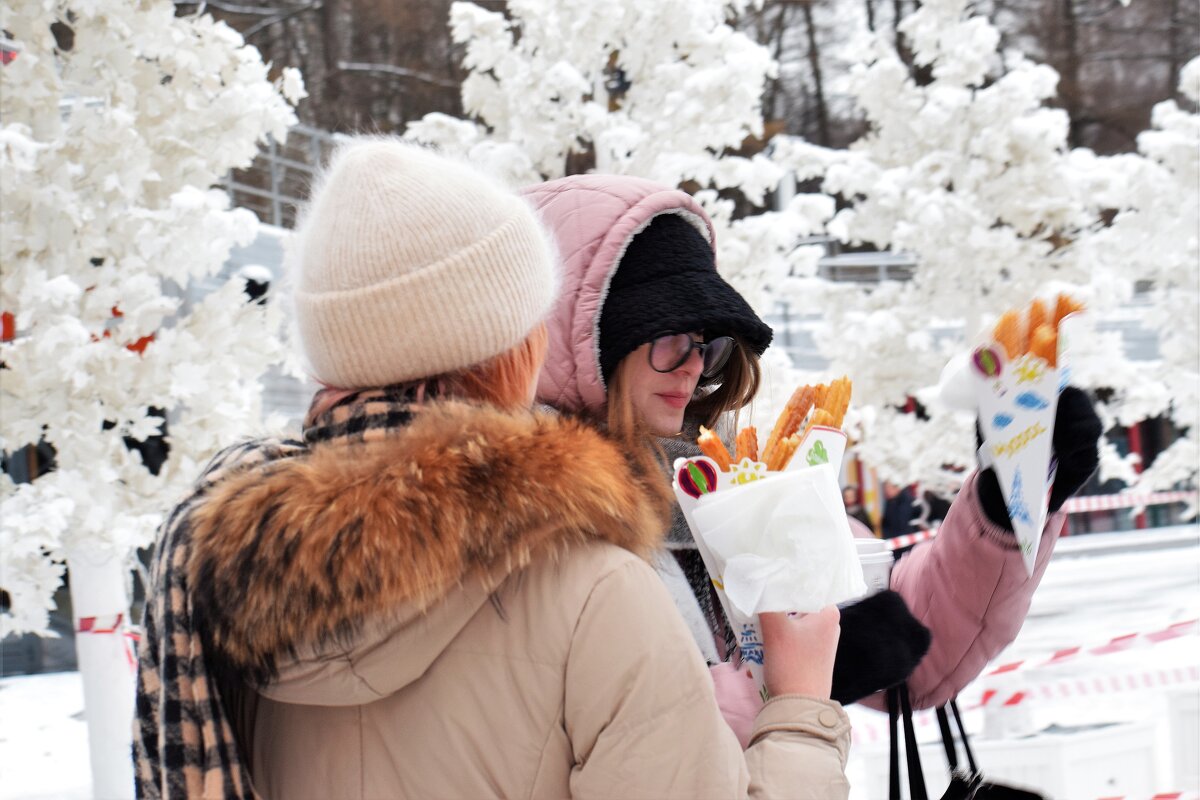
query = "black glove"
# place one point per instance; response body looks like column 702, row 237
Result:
column 1077, row 432
column 880, row 645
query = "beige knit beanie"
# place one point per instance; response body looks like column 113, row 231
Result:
column 408, row 264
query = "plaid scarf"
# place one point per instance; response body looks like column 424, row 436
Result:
column 184, row 740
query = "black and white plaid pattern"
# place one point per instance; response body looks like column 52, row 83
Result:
column 184, row 741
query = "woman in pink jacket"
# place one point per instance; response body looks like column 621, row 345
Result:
column 645, row 333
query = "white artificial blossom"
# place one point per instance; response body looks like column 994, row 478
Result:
column 971, row 174
column 1155, row 236
column 112, row 139
column 661, row 90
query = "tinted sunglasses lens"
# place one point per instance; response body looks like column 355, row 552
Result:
column 716, row 354
column 668, row 352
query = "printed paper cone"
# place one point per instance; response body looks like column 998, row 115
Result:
column 821, row 445
column 782, row 538
column 1017, row 404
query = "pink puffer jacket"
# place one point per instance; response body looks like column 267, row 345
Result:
column 968, row 586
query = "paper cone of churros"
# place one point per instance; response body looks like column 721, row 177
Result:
column 1017, row 377
column 770, row 523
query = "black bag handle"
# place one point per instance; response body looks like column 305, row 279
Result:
column 963, row 732
column 898, row 696
column 916, row 778
column 893, row 705
column 947, row 739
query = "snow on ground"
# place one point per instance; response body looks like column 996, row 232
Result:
column 43, row 738
column 1105, row 742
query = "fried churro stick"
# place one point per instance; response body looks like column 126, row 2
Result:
column 789, row 420
column 820, row 395
column 819, row 417
column 1008, row 334
column 1037, row 318
column 712, row 446
column 1064, row 305
column 783, row 453
column 1044, row 344
column 746, row 444
column 837, row 402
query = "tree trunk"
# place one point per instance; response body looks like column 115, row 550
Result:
column 107, row 666
column 1068, row 88
column 814, row 62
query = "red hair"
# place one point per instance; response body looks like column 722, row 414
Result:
column 503, row 380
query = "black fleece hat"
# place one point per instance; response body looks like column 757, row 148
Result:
column 667, row 282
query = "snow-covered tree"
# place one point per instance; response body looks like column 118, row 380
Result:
column 116, row 121
column 971, row 173
column 661, row 90
column 1155, row 237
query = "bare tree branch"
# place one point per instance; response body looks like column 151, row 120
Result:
column 231, row 8
column 266, row 23
column 396, row 72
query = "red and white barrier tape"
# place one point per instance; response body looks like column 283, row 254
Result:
column 1108, row 502
column 1114, row 645
column 897, row 542
column 1088, row 686
column 1076, row 505
column 113, row 624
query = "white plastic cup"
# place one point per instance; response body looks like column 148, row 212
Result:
column 876, row 561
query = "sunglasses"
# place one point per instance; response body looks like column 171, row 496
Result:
column 670, row 351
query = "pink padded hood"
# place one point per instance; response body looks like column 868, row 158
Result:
column 593, row 218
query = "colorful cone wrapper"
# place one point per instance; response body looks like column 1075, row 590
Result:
column 772, row 541
column 1017, row 401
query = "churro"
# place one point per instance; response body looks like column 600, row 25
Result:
column 838, row 401
column 1044, row 344
column 783, row 453
column 746, row 444
column 1035, row 319
column 1064, row 305
column 820, row 417
column 712, row 446
column 790, row 419
column 1008, row 334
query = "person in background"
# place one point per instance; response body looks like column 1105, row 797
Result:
column 430, row 592
column 899, row 514
column 854, row 506
column 646, row 336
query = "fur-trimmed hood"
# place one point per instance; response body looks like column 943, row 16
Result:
column 301, row 554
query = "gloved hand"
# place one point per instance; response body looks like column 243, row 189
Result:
column 1077, row 432
column 881, row 644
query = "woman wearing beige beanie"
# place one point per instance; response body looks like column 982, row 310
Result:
column 435, row 591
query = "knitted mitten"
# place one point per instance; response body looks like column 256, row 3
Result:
column 880, row 645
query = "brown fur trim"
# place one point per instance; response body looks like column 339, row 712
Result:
column 303, row 551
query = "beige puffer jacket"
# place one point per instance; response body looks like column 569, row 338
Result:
column 462, row 610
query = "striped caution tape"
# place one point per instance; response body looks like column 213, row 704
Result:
column 907, row 539
column 1088, row 686
column 1114, row 645
column 1108, row 502
column 113, row 624
column 1076, row 505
